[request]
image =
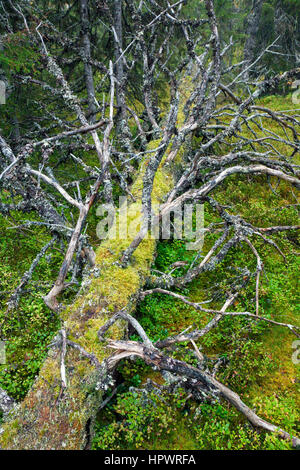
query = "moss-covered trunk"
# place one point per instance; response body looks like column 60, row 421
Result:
column 45, row 421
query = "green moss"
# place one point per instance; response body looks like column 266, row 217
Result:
column 9, row 433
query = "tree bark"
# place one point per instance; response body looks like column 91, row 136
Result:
column 118, row 51
column 86, row 51
column 252, row 30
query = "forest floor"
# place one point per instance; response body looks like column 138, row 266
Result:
column 257, row 357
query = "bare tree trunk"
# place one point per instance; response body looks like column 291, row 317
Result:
column 121, row 75
column 2, row 73
column 86, row 51
column 252, row 30
column 119, row 67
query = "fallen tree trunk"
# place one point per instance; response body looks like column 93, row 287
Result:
column 52, row 418
column 59, row 410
